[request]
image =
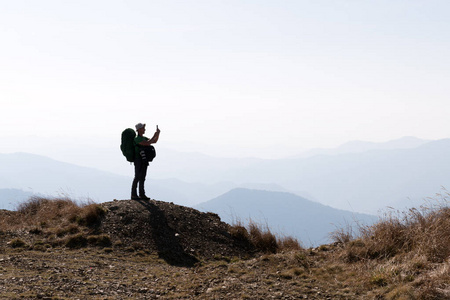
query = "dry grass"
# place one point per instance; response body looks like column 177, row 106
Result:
column 405, row 255
column 58, row 221
column 288, row 243
column 262, row 238
column 41, row 212
column 423, row 232
column 409, row 250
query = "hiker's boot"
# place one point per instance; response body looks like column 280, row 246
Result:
column 143, row 197
column 135, row 197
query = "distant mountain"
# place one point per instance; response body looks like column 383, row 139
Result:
column 11, row 198
column 46, row 176
column 39, row 174
column 284, row 213
column 360, row 176
column 188, row 193
column 364, row 182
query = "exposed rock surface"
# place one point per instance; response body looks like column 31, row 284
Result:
column 179, row 234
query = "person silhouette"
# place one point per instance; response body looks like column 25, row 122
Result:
column 141, row 162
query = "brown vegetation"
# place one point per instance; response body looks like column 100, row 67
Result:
column 57, row 248
column 405, row 253
column 262, row 239
column 56, row 213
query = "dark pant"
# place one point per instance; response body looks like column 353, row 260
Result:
column 140, row 172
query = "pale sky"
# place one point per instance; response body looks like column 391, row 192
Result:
column 234, row 78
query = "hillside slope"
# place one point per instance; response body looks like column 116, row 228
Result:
column 177, row 233
column 54, row 249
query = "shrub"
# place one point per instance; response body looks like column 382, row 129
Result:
column 43, row 209
column 342, row 235
column 39, row 213
column 89, row 215
column 424, row 231
column 32, row 206
column 432, row 235
column 263, row 240
column 239, row 233
column 289, row 243
column 93, row 213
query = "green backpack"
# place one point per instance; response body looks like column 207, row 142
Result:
column 127, row 145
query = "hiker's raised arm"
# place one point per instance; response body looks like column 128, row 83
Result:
column 155, row 137
column 153, row 140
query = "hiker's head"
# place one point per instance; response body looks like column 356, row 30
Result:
column 140, row 128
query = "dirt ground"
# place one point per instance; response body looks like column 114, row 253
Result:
column 95, row 274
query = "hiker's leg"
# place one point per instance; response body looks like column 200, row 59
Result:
column 143, row 174
column 137, row 171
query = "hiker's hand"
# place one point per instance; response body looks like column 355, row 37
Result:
column 157, row 129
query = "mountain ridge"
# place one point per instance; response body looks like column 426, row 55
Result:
column 364, row 182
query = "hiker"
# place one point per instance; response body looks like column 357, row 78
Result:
column 142, row 146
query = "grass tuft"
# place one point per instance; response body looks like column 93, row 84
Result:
column 92, row 214
column 262, row 238
column 239, row 232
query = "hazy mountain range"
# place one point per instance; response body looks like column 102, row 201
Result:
column 364, row 181
column 23, row 175
column 358, row 176
column 365, row 177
